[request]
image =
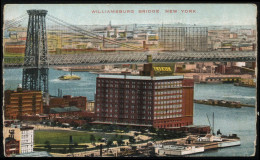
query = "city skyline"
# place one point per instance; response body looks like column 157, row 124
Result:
column 90, row 14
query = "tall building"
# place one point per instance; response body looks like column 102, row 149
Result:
column 183, row 38
column 23, row 134
column 161, row 102
column 22, row 102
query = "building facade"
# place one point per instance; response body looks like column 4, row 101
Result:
column 161, row 102
column 21, row 102
column 68, row 100
column 12, row 146
column 23, row 134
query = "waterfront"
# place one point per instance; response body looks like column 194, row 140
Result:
column 229, row 120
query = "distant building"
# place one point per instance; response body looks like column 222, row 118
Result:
column 23, row 134
column 158, row 69
column 161, row 102
column 21, row 102
column 12, row 146
column 68, row 100
column 14, row 47
column 62, row 112
column 183, row 38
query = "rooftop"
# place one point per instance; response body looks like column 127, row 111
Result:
column 65, row 109
column 139, row 77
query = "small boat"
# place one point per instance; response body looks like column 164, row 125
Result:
column 69, row 77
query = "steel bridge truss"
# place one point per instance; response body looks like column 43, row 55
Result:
column 36, row 67
column 139, row 57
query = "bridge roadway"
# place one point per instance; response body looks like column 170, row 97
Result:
column 121, row 57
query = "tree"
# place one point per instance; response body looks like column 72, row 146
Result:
column 120, row 142
column 152, row 129
column 64, row 150
column 48, row 146
column 109, row 143
column 85, row 147
column 87, row 127
column 76, row 144
column 131, row 139
column 136, row 134
column 92, row 138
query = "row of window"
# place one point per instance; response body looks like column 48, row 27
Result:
column 127, row 106
column 146, row 86
column 168, row 86
column 125, row 91
column 168, row 121
column 168, row 116
column 124, row 116
column 125, row 111
column 167, row 111
column 168, row 97
column 168, row 101
column 168, row 106
column 176, row 91
column 126, row 121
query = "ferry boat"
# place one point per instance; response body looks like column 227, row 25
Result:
column 69, row 77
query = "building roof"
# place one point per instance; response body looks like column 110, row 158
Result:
column 65, row 109
column 34, row 154
column 10, row 139
column 140, row 77
column 72, row 108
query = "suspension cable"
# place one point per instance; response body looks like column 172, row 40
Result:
column 92, row 35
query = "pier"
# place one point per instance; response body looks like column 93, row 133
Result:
column 223, row 103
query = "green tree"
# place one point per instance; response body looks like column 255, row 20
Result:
column 152, row 129
column 92, row 138
column 48, row 146
column 136, row 134
column 120, row 142
column 76, row 144
column 131, row 139
column 109, row 143
column 64, row 150
column 85, row 147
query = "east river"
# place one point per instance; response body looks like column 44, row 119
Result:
column 241, row 121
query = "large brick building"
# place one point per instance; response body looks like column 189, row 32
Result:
column 161, row 102
column 21, row 102
column 68, row 100
column 12, row 146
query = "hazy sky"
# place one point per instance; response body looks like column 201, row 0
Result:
column 205, row 14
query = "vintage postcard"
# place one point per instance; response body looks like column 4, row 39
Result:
column 129, row 80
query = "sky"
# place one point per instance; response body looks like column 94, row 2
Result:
column 202, row 14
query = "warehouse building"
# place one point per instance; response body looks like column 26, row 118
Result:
column 21, row 102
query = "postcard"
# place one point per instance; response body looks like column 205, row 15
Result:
column 129, row 80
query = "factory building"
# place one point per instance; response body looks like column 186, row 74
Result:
column 21, row 102
column 67, row 101
column 161, row 102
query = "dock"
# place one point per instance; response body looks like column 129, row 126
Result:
column 223, row 103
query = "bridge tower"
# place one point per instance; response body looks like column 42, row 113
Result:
column 35, row 72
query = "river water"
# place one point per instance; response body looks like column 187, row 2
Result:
column 241, row 121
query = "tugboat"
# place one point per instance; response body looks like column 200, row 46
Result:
column 69, row 77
